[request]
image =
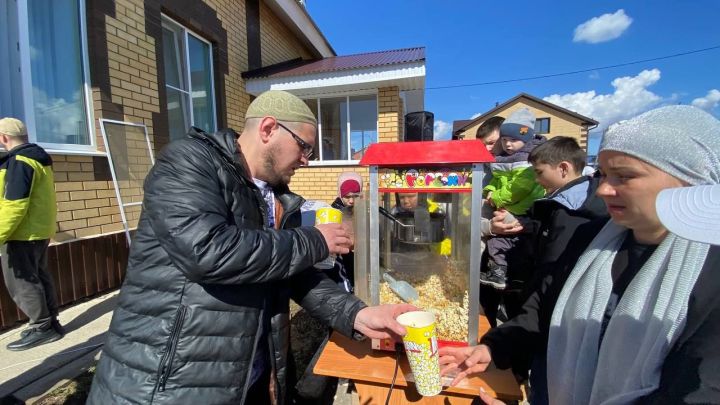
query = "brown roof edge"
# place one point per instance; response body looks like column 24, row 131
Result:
column 420, row 49
column 278, row 67
column 492, row 112
column 340, row 63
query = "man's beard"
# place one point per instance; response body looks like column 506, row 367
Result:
column 270, row 164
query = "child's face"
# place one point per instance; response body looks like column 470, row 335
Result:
column 408, row 201
column 350, row 198
column 551, row 177
column 491, row 139
column 511, row 145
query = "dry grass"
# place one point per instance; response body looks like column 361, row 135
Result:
column 73, row 393
column 306, row 336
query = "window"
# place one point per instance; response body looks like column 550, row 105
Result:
column 542, row 125
column 346, row 127
column 334, row 124
column 188, row 80
column 45, row 74
column 363, row 124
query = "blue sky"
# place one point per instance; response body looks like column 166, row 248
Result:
column 480, row 41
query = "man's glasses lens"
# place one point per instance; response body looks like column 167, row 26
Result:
column 307, row 149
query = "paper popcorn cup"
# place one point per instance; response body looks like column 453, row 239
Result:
column 422, row 351
column 327, row 215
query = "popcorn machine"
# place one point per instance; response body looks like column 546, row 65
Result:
column 418, row 232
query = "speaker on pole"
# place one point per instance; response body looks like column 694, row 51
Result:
column 419, row 126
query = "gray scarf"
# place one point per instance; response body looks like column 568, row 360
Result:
column 647, row 321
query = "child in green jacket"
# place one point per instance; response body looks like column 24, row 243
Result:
column 512, row 188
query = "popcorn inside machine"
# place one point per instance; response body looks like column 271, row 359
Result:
column 417, row 232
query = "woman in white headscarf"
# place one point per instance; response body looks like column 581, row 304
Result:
column 631, row 312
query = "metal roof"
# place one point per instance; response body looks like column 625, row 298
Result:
column 298, row 67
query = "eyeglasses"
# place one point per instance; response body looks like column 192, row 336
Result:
column 307, row 149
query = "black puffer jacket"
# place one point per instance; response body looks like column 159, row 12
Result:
column 556, row 217
column 202, row 272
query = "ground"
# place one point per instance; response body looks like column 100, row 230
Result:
column 306, row 336
column 75, row 392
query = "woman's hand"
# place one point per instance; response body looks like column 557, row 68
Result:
column 488, row 399
column 466, row 360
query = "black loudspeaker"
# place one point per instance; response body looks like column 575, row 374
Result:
column 419, row 126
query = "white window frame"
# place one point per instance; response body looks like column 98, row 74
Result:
column 186, row 33
column 26, row 85
column 347, row 95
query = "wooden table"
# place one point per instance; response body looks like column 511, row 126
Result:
column 372, row 372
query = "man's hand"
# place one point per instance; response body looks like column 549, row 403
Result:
column 466, row 360
column 336, row 236
column 348, row 225
column 499, row 227
column 379, row 322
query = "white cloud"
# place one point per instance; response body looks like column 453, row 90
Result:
column 59, row 120
column 603, row 28
column 709, row 102
column 476, row 115
column 442, row 130
column 631, row 97
column 594, row 75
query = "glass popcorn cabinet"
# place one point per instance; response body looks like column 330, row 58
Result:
column 417, row 232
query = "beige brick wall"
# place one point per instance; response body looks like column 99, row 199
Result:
column 320, row 183
column 276, row 41
column 87, row 207
column 132, row 64
column 277, row 44
column 232, row 15
column 560, row 123
column 401, row 120
column 389, row 114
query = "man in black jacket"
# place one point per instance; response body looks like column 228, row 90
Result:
column 202, row 315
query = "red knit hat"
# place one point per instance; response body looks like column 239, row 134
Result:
column 349, row 186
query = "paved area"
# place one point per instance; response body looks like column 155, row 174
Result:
column 29, row 374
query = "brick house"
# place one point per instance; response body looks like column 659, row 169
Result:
column 169, row 64
column 551, row 119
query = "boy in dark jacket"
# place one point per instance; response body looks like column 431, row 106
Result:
column 569, row 203
column 570, row 199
